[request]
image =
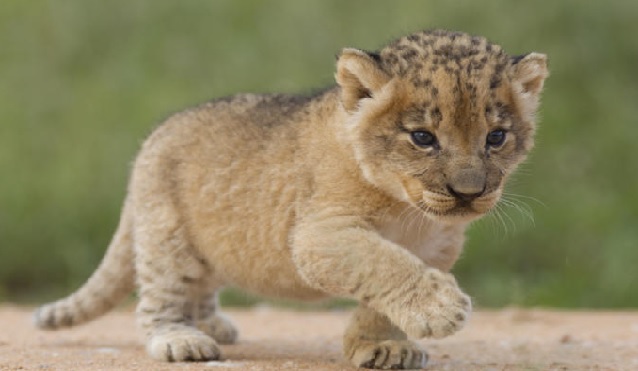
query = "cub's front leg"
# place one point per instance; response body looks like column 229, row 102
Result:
column 346, row 257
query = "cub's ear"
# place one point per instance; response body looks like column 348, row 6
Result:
column 528, row 75
column 359, row 75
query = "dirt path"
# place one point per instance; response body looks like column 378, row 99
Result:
column 273, row 339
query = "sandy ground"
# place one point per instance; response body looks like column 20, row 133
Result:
column 274, row 339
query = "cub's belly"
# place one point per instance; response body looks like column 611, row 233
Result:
column 247, row 245
column 263, row 270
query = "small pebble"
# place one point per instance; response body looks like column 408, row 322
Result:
column 108, row 350
column 223, row 364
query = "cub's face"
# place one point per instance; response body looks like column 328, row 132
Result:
column 441, row 136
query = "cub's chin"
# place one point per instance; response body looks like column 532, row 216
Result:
column 454, row 216
column 450, row 210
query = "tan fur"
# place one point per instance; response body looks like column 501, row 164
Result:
column 329, row 195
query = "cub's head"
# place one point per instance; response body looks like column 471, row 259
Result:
column 440, row 119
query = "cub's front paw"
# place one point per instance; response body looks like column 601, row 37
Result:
column 388, row 354
column 433, row 307
column 184, row 344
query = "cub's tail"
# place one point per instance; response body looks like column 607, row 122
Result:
column 113, row 280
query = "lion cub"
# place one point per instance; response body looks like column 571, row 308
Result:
column 361, row 191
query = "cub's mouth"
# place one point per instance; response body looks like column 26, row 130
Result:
column 455, row 207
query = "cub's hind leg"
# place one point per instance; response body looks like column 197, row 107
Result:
column 170, row 274
column 210, row 320
column 372, row 341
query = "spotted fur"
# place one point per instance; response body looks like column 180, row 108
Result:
column 322, row 195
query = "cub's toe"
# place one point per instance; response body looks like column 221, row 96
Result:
column 389, row 354
column 183, row 346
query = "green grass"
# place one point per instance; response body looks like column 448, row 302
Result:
column 82, row 83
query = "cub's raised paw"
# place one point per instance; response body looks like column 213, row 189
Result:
column 219, row 328
column 388, row 354
column 182, row 345
column 433, row 307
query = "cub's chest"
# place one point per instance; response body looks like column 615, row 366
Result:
column 433, row 242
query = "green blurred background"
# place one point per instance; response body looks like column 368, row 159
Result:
column 83, row 82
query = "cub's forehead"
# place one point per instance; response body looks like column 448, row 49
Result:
column 446, row 71
column 428, row 51
column 452, row 56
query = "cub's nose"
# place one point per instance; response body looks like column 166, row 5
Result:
column 465, row 194
column 467, row 184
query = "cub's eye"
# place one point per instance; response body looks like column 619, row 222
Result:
column 423, row 138
column 495, row 138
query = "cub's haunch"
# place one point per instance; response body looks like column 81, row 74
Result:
column 361, row 191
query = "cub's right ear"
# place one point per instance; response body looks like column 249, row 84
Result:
column 359, row 75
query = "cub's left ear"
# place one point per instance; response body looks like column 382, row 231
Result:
column 359, row 75
column 528, row 75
